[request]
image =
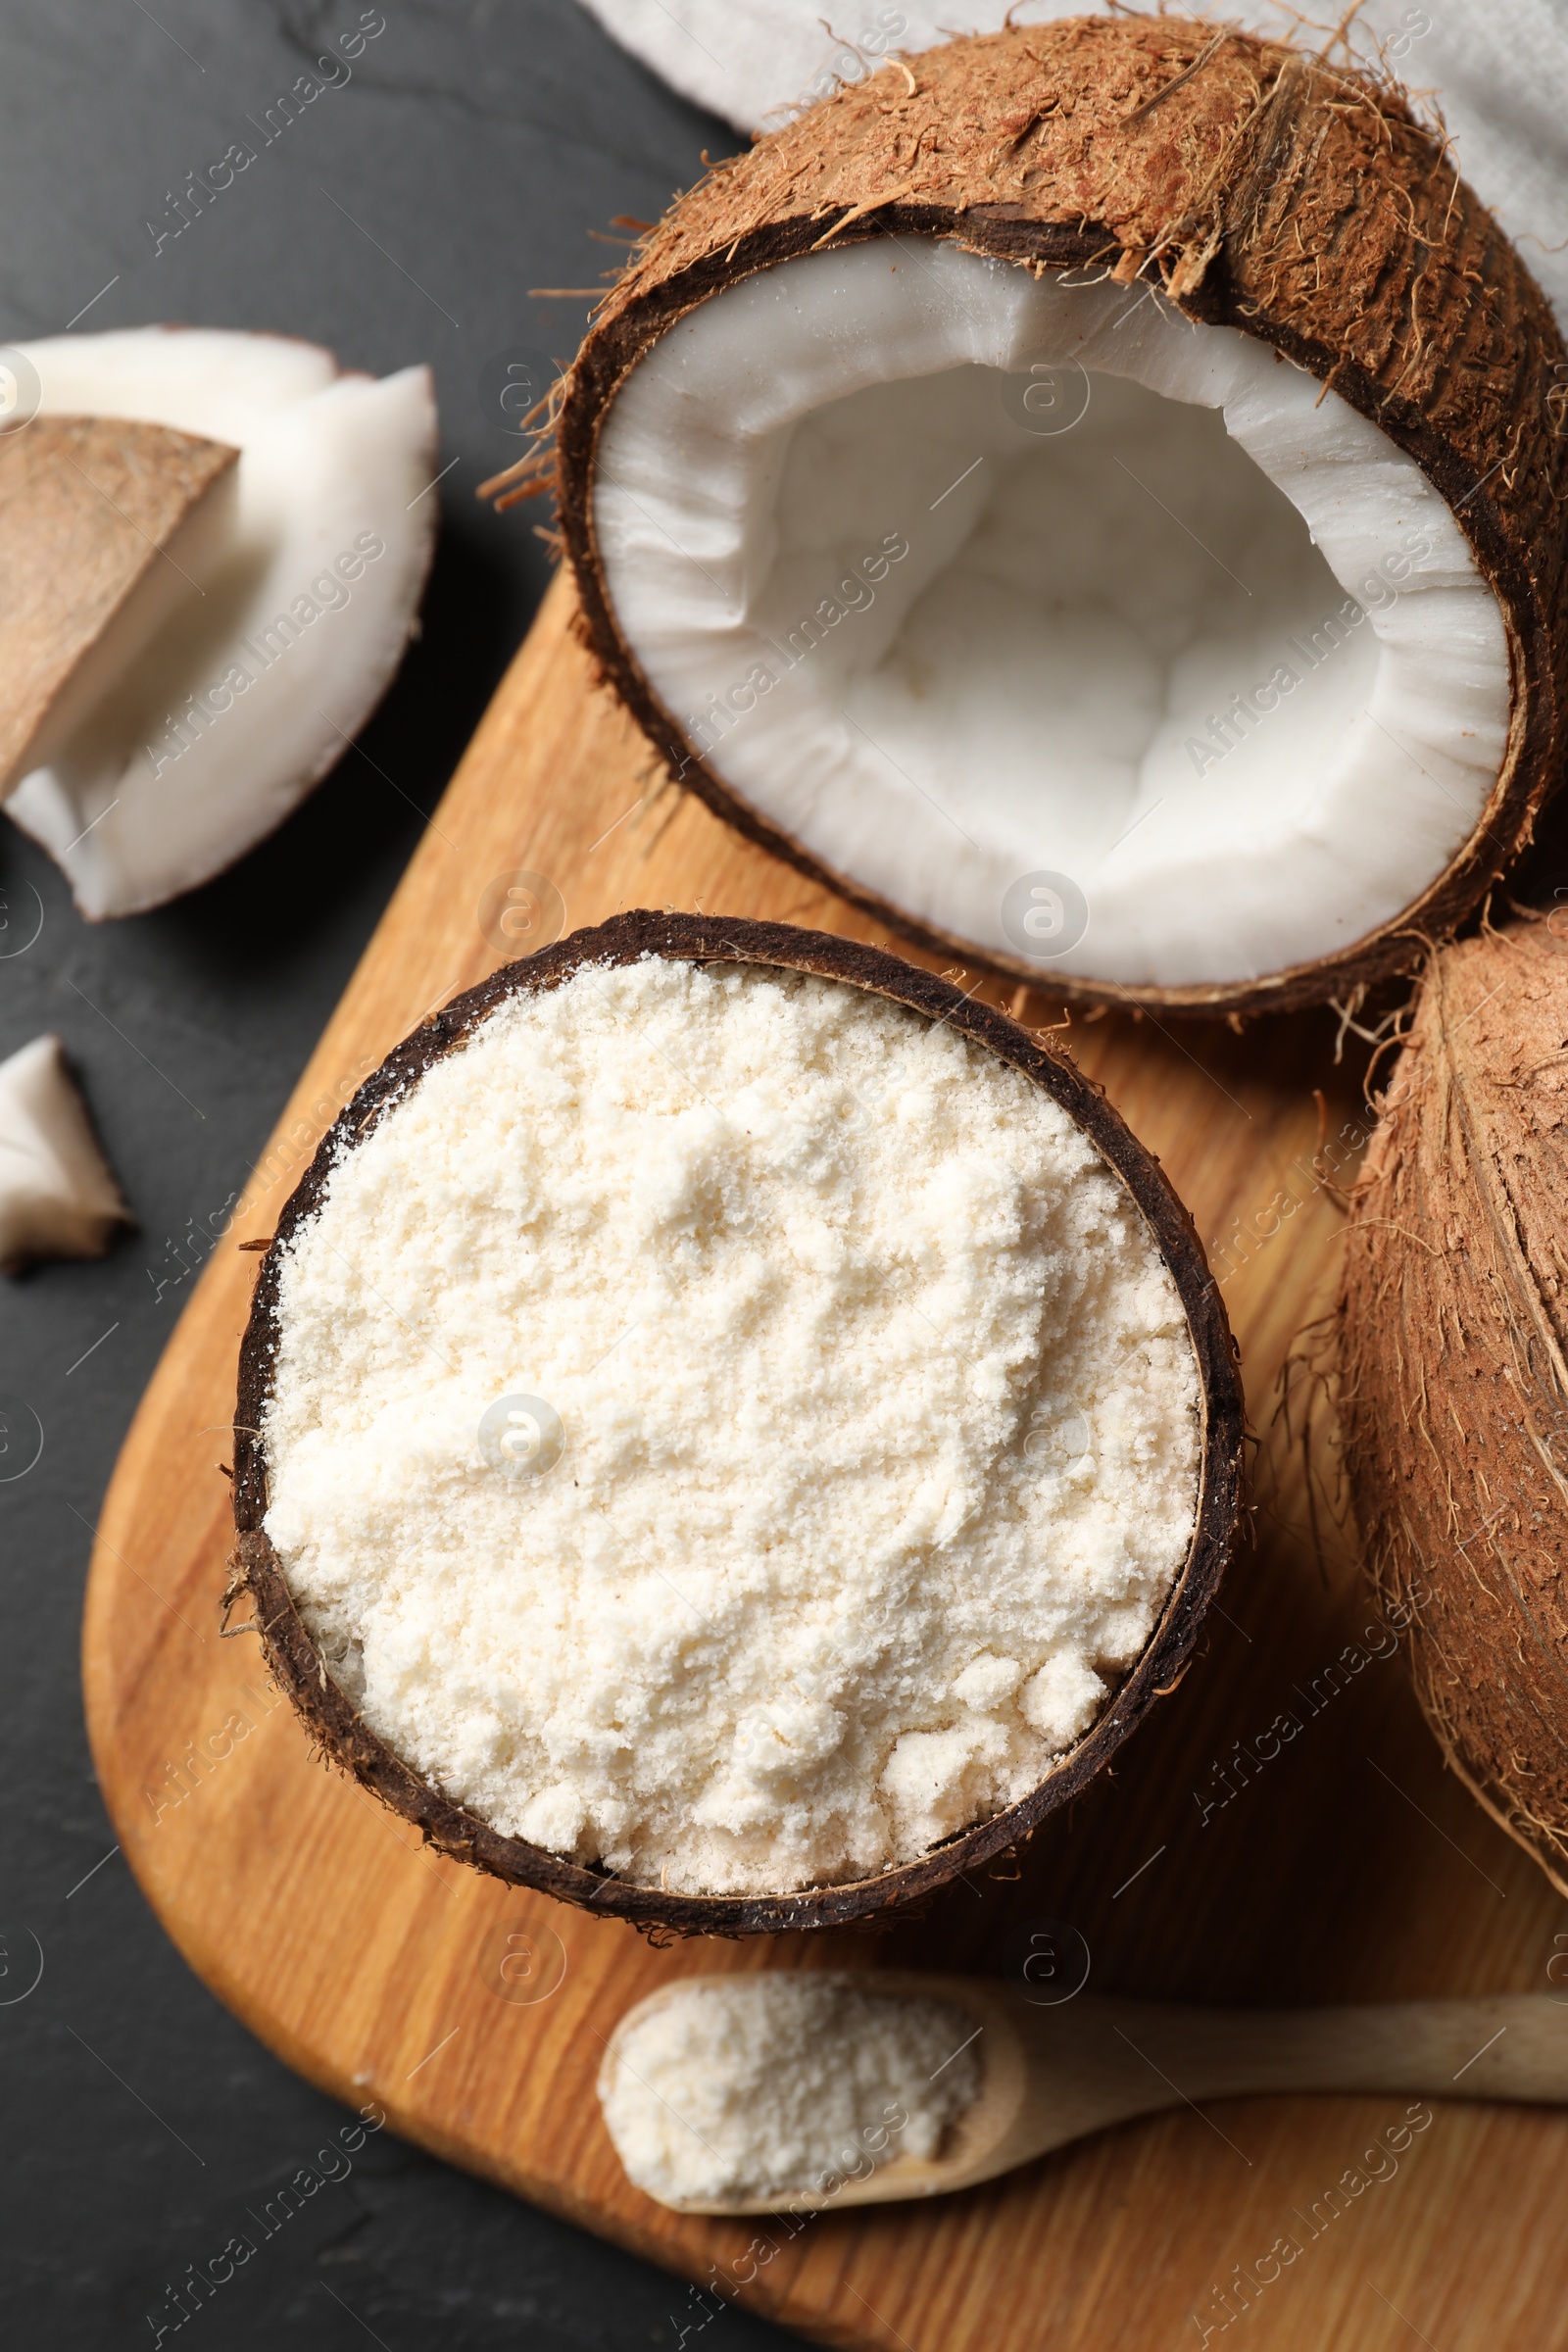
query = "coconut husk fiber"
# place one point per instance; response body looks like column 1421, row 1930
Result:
column 1453, row 1326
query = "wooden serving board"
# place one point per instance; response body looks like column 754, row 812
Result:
column 1230, row 1859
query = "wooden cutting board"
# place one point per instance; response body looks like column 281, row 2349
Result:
column 1229, row 1859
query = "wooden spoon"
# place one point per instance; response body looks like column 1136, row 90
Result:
column 1051, row 2075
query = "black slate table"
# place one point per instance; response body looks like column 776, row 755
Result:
column 401, row 215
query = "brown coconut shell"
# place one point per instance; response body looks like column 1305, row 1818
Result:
column 1259, row 188
column 329, row 1715
column 1452, row 1330
column 87, row 506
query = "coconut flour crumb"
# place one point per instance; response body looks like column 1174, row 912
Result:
column 870, row 1411
column 757, row 2087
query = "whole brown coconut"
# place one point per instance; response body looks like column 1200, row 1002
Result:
column 330, row 1716
column 1452, row 1322
column 1250, row 185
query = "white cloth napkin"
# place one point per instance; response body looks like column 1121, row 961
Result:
column 1499, row 73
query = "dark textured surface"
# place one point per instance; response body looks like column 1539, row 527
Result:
column 476, row 144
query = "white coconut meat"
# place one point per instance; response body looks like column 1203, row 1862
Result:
column 1065, row 626
column 57, row 1196
column 244, row 661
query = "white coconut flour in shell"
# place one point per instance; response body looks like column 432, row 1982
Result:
column 756, row 2087
column 881, row 1427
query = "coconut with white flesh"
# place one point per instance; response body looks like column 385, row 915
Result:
column 1089, row 495
column 246, row 659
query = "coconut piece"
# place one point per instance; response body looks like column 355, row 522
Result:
column 1452, row 1333
column 88, row 505
column 238, row 670
column 321, row 1675
column 57, row 1196
column 1090, row 495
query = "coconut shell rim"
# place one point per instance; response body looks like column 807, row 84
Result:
column 635, row 316
column 330, row 1716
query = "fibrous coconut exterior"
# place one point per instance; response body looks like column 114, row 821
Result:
column 1452, row 1331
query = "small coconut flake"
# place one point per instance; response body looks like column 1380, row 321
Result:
column 245, row 660
column 57, row 1196
column 740, row 2087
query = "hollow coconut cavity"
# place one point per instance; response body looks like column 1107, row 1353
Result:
column 257, row 644
column 770, row 1464
column 1019, row 575
column 1165, row 603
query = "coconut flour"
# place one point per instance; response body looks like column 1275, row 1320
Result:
column 756, row 2087
column 848, row 1427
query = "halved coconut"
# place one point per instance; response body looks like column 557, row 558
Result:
column 244, row 661
column 1090, row 494
column 750, row 1681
